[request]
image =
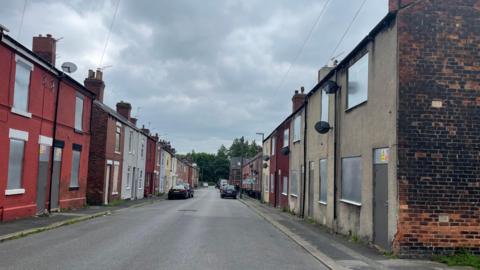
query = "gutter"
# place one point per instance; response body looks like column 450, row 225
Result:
column 335, row 147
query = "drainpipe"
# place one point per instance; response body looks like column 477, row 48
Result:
column 335, row 154
column 52, row 150
column 304, row 155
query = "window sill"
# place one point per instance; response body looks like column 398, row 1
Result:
column 320, row 202
column 356, row 106
column 77, row 131
column 285, row 194
column 293, row 195
column 114, row 193
column 73, row 188
column 116, row 152
column 14, row 191
column 296, row 141
column 127, row 188
column 21, row 112
column 350, row 202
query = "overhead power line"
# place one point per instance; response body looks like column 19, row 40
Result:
column 347, row 29
column 20, row 28
column 109, row 33
column 300, row 51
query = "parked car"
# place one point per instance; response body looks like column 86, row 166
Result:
column 228, row 191
column 178, row 191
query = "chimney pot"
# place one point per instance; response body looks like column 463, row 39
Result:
column 296, row 92
column 298, row 99
column 94, row 83
column 302, row 89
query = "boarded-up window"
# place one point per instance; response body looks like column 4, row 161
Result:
column 357, row 90
column 78, row 112
column 323, row 181
column 74, row 174
column 352, row 180
column 15, row 164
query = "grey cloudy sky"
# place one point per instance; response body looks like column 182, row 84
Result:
column 198, row 72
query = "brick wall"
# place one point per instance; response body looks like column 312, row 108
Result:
column 439, row 127
column 96, row 165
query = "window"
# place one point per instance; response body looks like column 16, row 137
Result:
column 130, row 138
column 140, row 180
column 352, row 180
column 296, row 128
column 75, row 169
column 324, row 97
column 285, row 185
column 118, row 133
column 78, row 113
column 115, row 178
column 357, row 90
column 286, row 137
column 273, row 146
column 15, row 164
column 143, row 146
column 323, row 181
column 272, row 183
column 128, row 176
column 266, row 182
column 22, row 85
column 294, row 183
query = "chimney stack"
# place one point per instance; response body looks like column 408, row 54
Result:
column 146, row 130
column 298, row 99
column 394, row 5
column 94, row 82
column 133, row 121
column 124, row 109
column 45, row 47
column 323, row 72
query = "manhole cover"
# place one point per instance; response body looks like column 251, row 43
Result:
column 187, row 210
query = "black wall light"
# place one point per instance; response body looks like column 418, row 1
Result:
column 285, row 150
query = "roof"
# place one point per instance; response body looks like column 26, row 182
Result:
column 29, row 54
column 385, row 22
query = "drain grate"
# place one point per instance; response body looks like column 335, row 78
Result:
column 187, row 210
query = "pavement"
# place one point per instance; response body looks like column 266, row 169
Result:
column 333, row 250
column 204, row 232
column 22, row 227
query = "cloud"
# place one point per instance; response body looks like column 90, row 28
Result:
column 198, row 72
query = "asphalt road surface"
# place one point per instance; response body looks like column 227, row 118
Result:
column 205, row 232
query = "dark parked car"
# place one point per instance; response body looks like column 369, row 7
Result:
column 228, row 191
column 178, row 191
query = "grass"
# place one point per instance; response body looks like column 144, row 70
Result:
column 310, row 220
column 461, row 258
column 117, row 202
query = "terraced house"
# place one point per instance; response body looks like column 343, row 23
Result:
column 44, row 131
column 391, row 155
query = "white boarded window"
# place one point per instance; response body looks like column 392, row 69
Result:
column 118, row 134
column 272, row 183
column 115, row 179
column 286, row 137
column 273, row 146
column 22, row 85
column 266, row 182
column 15, row 164
column 78, row 113
column 357, row 90
column 324, row 97
column 294, row 183
column 352, row 180
column 323, row 180
column 75, row 168
column 297, row 123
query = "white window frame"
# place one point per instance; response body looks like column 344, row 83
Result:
column 286, row 137
column 324, row 101
column 118, row 130
column 365, row 57
column 116, row 172
column 18, row 135
column 78, row 169
column 82, row 98
column 324, row 180
column 285, row 186
column 15, row 110
column 359, row 189
column 294, row 180
column 297, row 126
column 272, row 144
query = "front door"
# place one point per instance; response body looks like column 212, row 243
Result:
column 42, row 178
column 277, row 188
column 108, row 171
column 57, row 166
column 310, row 189
column 380, row 201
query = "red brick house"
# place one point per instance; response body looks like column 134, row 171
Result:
column 40, row 108
column 106, row 153
column 152, row 180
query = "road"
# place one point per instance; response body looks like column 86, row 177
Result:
column 205, row 232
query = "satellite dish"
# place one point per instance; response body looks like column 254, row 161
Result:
column 265, row 165
column 285, row 150
column 69, row 67
column 322, row 127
